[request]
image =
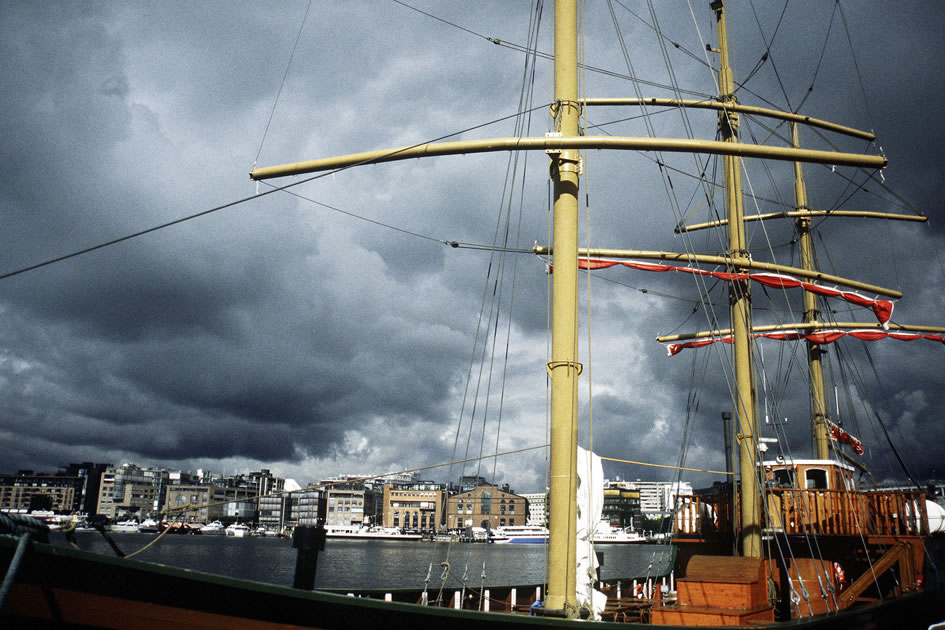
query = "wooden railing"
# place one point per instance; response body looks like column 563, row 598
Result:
column 703, row 514
column 821, row 512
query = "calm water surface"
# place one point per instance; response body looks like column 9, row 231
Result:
column 366, row 563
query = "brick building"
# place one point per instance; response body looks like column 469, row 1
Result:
column 488, row 507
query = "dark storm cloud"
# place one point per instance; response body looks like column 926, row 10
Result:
column 279, row 333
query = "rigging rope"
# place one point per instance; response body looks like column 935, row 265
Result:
column 768, row 44
column 243, row 200
column 282, row 84
column 630, row 461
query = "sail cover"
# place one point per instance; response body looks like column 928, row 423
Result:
column 821, row 337
column 590, row 504
column 837, row 434
column 881, row 308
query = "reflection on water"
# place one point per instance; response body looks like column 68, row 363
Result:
column 369, row 563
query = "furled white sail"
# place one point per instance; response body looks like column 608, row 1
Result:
column 590, row 504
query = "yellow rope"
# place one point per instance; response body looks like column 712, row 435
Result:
column 194, row 508
column 150, row 544
column 627, row 461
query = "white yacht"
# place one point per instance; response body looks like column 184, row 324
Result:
column 238, row 530
column 124, row 527
column 214, row 528
column 149, row 526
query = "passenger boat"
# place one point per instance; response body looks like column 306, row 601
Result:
column 369, row 533
column 608, row 534
column 521, row 534
column 811, row 550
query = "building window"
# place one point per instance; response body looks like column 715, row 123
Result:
column 486, row 502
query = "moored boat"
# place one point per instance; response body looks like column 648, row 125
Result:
column 521, row 535
column 179, row 528
column 124, row 527
column 213, row 528
column 608, row 534
column 238, row 530
column 369, row 533
column 149, row 526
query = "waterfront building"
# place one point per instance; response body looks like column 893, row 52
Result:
column 198, row 497
column 270, row 506
column 394, row 479
column 415, row 506
column 272, row 512
column 239, row 504
column 139, row 499
column 26, row 491
column 106, row 494
column 658, row 498
column 179, row 477
column 486, row 506
column 207, row 503
column 350, row 503
column 302, row 507
column 255, row 497
column 91, row 474
column 132, row 490
column 265, row 482
column 622, row 505
column 537, row 508
column 469, row 482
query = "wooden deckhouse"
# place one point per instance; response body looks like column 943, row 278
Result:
column 807, row 503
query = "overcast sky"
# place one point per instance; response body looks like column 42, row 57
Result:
column 281, row 333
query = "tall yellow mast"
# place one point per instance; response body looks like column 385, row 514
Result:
column 746, row 421
column 818, row 404
column 564, row 368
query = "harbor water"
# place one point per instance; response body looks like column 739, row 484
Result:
column 369, row 563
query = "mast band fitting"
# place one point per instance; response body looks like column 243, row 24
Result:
column 552, row 365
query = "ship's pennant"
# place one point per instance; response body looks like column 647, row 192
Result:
column 821, row 337
column 882, row 309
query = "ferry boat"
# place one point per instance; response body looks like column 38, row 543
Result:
column 608, row 534
column 369, row 533
column 521, row 535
